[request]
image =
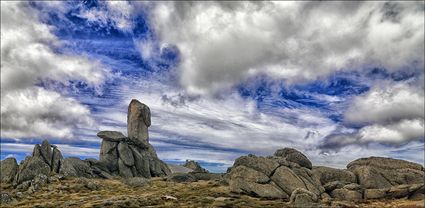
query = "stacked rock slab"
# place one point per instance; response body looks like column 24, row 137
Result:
column 132, row 156
column 275, row 176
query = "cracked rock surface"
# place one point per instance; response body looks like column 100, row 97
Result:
column 274, row 177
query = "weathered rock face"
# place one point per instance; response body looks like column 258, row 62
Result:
column 132, row 156
column 75, row 167
column 347, row 194
column 195, row 166
column 138, row 121
column 293, row 155
column 9, row 168
column 303, row 198
column 379, row 172
column 327, row 175
column 273, row 177
column 46, row 158
column 128, row 160
column 49, row 154
column 246, row 180
column 30, row 167
column 412, row 191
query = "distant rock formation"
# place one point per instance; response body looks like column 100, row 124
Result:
column 194, row 166
column 132, row 156
column 179, row 169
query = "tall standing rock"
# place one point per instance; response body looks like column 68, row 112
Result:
column 132, row 156
column 138, row 121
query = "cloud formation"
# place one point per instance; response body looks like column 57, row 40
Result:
column 29, row 57
column 228, row 124
column 390, row 102
column 223, row 43
column 389, row 113
column 243, row 78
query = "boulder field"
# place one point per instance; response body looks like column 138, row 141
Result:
column 289, row 175
column 286, row 175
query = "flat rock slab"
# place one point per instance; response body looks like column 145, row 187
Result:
column 113, row 136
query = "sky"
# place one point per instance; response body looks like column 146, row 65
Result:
column 335, row 80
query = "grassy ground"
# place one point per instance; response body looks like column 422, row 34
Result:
column 113, row 193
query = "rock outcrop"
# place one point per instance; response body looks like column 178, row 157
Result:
column 289, row 173
column 194, row 166
column 45, row 159
column 275, row 176
column 132, row 156
column 30, row 167
column 120, row 155
column 379, row 172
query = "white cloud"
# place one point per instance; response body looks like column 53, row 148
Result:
column 389, row 113
column 27, row 57
column 27, row 52
column 387, row 103
column 36, row 112
column 223, row 43
column 395, row 133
